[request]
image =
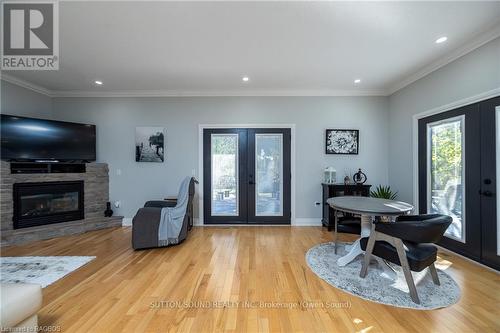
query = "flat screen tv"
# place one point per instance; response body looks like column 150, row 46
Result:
column 31, row 139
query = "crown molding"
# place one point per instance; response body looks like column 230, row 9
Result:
column 25, row 84
column 473, row 44
column 179, row 93
column 221, row 93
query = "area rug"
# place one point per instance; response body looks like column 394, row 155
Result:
column 40, row 270
column 381, row 285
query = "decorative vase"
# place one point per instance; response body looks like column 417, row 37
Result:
column 108, row 212
column 359, row 177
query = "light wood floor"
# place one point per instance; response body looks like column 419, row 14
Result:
column 120, row 290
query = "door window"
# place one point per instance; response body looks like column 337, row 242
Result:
column 269, row 174
column 224, row 148
column 445, row 173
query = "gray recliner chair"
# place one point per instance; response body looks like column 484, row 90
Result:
column 146, row 222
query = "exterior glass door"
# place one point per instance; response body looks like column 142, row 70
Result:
column 458, row 171
column 247, row 176
column 449, row 175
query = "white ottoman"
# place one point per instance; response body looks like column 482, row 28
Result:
column 19, row 304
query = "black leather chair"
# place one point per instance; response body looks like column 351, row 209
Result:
column 415, row 232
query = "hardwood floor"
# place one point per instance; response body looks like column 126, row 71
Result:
column 124, row 291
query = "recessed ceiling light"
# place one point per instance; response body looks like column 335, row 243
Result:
column 99, row 83
column 245, row 78
column 441, row 40
column 357, row 81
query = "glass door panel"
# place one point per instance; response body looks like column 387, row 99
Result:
column 449, row 175
column 224, row 174
column 458, row 155
column 445, row 173
column 269, row 174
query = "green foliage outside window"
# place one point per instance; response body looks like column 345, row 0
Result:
column 446, row 155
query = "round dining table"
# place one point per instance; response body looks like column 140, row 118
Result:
column 368, row 208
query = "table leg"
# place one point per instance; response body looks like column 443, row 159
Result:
column 366, row 225
column 356, row 246
column 335, row 237
column 353, row 253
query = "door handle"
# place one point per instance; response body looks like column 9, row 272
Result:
column 251, row 182
column 487, row 193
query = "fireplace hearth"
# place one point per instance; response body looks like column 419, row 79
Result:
column 42, row 203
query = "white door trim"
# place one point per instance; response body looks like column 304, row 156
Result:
column 201, row 127
column 416, row 117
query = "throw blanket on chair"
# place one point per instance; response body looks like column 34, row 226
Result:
column 172, row 218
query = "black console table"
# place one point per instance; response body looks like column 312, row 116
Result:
column 347, row 223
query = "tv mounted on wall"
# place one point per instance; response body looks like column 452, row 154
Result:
column 31, row 139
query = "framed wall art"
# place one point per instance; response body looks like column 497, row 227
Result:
column 342, row 141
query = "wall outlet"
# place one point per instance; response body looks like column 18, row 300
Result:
column 193, row 172
column 118, row 172
column 118, row 204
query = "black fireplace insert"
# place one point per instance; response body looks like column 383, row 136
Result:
column 43, row 203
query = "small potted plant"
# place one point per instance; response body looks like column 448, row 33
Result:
column 383, row 192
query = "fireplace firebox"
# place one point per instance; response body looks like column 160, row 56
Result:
column 43, row 203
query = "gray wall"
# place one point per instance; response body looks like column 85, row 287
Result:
column 116, row 119
column 20, row 101
column 473, row 74
column 385, row 128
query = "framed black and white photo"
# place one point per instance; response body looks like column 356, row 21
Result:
column 149, row 144
column 342, row 141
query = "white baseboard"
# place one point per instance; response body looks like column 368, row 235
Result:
column 298, row 222
column 127, row 222
column 307, row 222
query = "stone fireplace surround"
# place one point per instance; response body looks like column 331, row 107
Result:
column 96, row 194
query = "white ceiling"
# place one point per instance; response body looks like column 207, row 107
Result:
column 286, row 48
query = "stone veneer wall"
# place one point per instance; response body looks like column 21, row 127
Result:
column 96, row 194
